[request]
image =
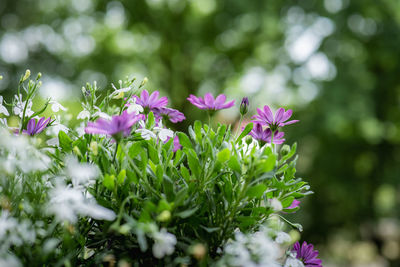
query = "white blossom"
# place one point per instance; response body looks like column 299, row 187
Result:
column 282, row 237
column 3, row 109
column 275, row 204
column 292, row 261
column 84, row 114
column 57, row 106
column 133, row 107
column 80, row 173
column 67, row 203
column 146, row 134
column 20, row 105
column 164, row 133
column 164, row 243
column 56, row 127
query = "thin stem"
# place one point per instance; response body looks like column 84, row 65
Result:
column 115, row 152
column 272, row 142
column 238, row 128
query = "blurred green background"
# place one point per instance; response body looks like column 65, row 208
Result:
column 334, row 62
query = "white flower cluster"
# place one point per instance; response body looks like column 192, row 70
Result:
column 164, row 243
column 260, row 249
column 16, row 152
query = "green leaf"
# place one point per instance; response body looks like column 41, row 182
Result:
column 197, row 130
column 193, row 162
column 150, row 120
column 268, row 164
column 245, row 132
column 187, row 213
column 224, row 155
column 184, row 140
column 109, row 182
column 234, row 164
column 121, row 176
column 64, row 141
column 256, row 191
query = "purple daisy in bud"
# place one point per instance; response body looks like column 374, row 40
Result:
column 34, row 127
column 264, row 136
column 149, row 103
column 117, row 127
column 210, row 103
column 265, row 117
column 244, row 106
column 169, row 113
column 307, row 254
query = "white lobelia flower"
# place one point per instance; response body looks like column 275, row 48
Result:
column 84, row 114
column 164, row 133
column 56, row 127
column 133, row 107
column 275, row 204
column 146, row 134
column 164, row 243
column 119, row 93
column 101, row 114
column 282, row 237
column 55, row 106
column 67, row 203
column 20, row 105
column 80, row 173
column 292, row 261
column 3, row 121
column 3, row 109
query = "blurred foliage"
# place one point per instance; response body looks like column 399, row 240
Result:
column 334, row 61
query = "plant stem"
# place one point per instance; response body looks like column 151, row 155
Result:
column 115, row 152
column 240, row 124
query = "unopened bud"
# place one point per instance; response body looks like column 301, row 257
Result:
column 83, row 90
column 145, row 80
column 248, row 140
column 77, row 151
column 244, row 106
column 94, row 147
column 26, row 76
column 285, row 150
column 39, row 75
column 40, row 83
column 164, row 216
column 198, row 251
column 1, row 77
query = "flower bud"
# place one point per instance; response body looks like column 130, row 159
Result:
column 83, row 90
column 248, row 140
column 77, row 151
column 40, row 83
column 198, row 251
column 164, row 216
column 1, row 77
column 26, row 76
column 285, row 150
column 244, row 106
column 145, row 80
column 39, row 75
column 94, row 147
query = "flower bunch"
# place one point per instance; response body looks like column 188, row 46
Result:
column 122, row 188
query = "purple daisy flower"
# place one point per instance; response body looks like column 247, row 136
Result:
column 265, row 117
column 307, row 254
column 34, row 127
column 117, row 127
column 169, row 113
column 264, row 136
column 209, row 102
column 149, row 103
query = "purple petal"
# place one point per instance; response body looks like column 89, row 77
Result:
column 288, row 122
column 287, row 115
column 219, row 101
column 31, row 126
column 267, row 114
column 279, row 114
column 144, row 96
column 209, row 101
column 228, row 105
